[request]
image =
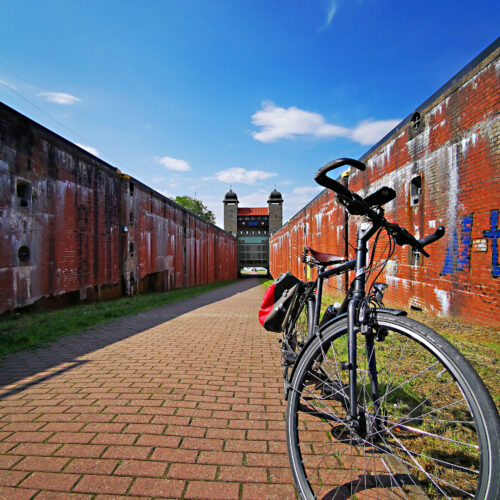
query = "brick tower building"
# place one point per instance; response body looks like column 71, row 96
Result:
column 253, row 227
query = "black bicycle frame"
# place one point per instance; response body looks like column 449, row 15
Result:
column 351, row 305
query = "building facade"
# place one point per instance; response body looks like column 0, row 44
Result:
column 253, row 227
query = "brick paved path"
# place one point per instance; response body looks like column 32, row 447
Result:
column 180, row 402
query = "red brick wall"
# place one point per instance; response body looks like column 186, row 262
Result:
column 68, row 208
column 456, row 153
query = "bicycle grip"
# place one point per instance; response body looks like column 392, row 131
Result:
column 436, row 235
column 323, row 180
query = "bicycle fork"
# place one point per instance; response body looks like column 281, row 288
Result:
column 354, row 324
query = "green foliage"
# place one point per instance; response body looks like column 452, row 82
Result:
column 29, row 330
column 195, row 206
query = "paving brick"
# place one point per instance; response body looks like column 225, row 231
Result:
column 23, row 437
column 212, row 491
column 220, row 458
column 144, row 429
column 155, row 440
column 53, row 495
column 72, row 437
column 50, row 481
column 114, row 438
column 37, row 449
column 174, row 455
column 103, row 484
column 202, row 444
column 268, row 491
column 162, row 488
column 91, row 466
column 241, row 445
column 131, row 452
column 7, row 493
column 192, row 471
column 141, row 468
column 243, row 474
column 11, row 477
column 7, row 461
column 81, row 450
column 42, row 464
column 104, row 427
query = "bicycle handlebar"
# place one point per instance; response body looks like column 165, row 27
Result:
column 359, row 206
column 321, row 178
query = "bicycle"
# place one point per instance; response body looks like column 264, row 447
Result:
column 376, row 400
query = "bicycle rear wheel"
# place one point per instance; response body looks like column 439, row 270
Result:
column 433, row 431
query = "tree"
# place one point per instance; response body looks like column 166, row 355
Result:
column 196, row 206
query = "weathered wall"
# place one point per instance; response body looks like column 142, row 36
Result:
column 62, row 213
column 454, row 147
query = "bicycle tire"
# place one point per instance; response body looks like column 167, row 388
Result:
column 435, row 435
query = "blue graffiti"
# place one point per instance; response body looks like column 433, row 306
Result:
column 494, row 233
column 451, row 253
column 463, row 261
column 459, row 258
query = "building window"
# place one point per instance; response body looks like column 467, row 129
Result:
column 24, row 254
column 131, row 249
column 23, row 191
column 131, row 188
column 416, row 190
column 131, row 219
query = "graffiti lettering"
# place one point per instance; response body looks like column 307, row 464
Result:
column 494, row 234
column 459, row 258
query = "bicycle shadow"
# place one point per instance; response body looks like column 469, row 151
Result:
column 367, row 482
column 31, row 367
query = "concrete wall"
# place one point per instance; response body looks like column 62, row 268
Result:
column 62, row 213
column 453, row 145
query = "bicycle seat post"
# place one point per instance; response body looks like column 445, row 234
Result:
column 319, row 293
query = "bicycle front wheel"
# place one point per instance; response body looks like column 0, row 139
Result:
column 427, row 426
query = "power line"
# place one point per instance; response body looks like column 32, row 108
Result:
column 84, row 139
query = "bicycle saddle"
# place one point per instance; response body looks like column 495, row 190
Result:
column 325, row 258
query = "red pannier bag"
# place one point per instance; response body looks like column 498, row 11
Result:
column 277, row 300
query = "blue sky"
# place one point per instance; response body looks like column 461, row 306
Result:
column 192, row 96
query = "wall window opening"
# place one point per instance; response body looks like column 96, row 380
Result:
column 416, row 190
column 131, row 188
column 131, row 219
column 416, row 120
column 131, row 248
column 23, row 191
column 24, row 254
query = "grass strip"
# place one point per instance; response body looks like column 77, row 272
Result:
column 480, row 345
column 29, row 330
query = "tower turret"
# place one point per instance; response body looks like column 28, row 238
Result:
column 275, row 203
column 231, row 212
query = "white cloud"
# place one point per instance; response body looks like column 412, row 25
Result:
column 255, row 199
column 297, row 199
column 279, row 123
column 174, row 164
column 331, row 12
column 370, row 132
column 90, row 149
column 240, row 175
column 59, row 97
column 307, row 190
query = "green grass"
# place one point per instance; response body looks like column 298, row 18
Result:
column 29, row 330
column 479, row 344
column 267, row 283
